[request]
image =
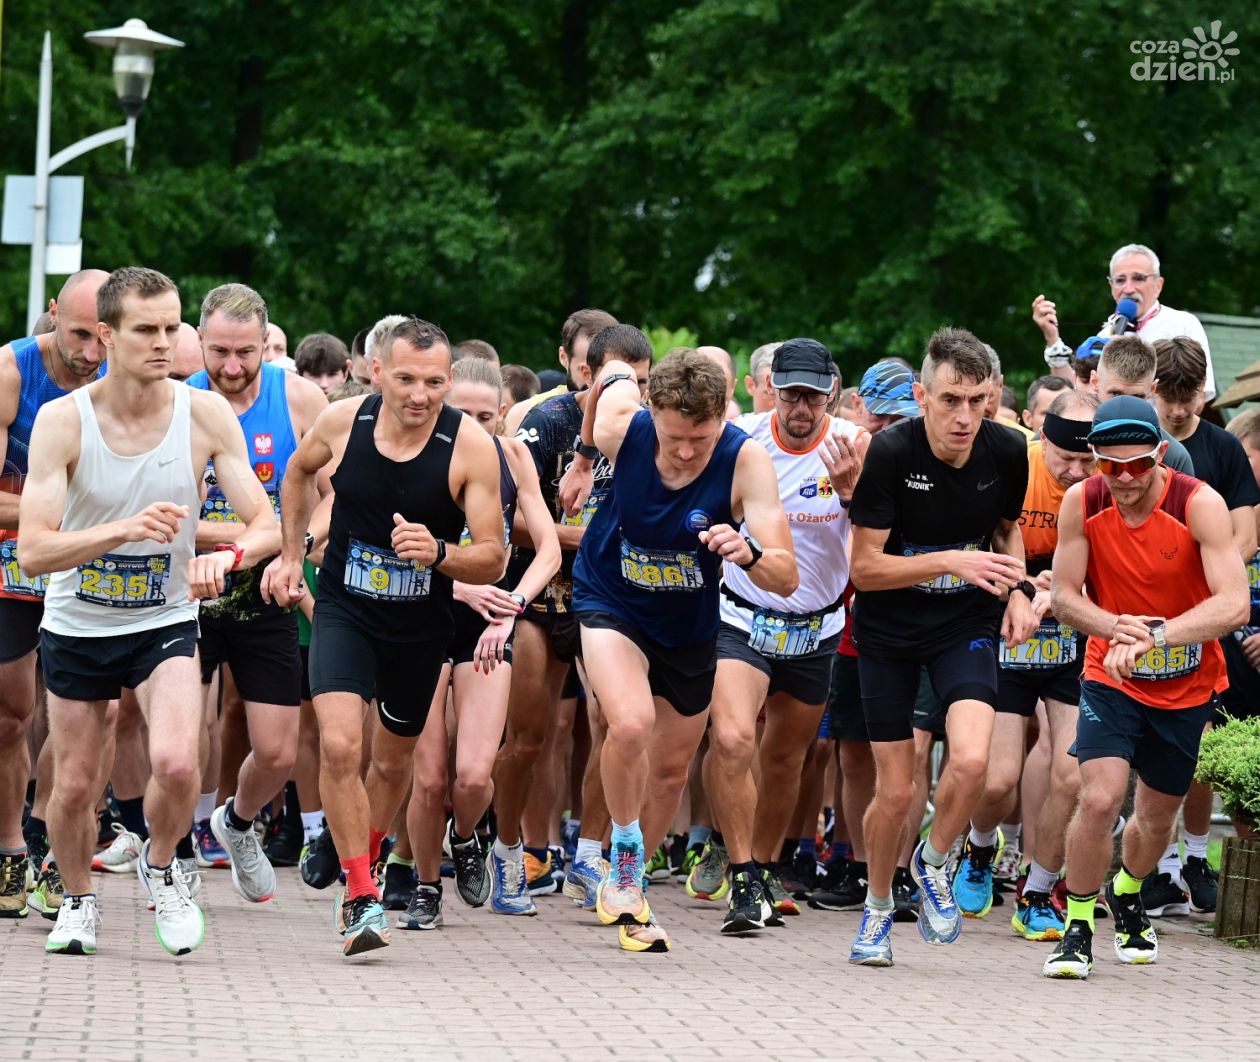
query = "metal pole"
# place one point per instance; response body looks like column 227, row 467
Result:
column 43, row 145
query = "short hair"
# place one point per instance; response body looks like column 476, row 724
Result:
column 962, row 352
column 619, row 341
column 762, row 358
column 587, row 323
column 416, row 333
column 690, row 384
column 1181, row 367
column 1129, row 357
column 43, row 324
column 147, row 283
column 478, row 371
column 320, row 353
column 1133, row 248
column 1072, row 401
column 1246, row 428
column 1045, row 383
column 358, row 345
column 379, row 331
column 475, row 348
column 348, row 388
column 520, row 382
column 237, row 302
column 1008, row 399
column 995, row 363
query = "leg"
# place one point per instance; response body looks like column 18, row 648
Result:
column 388, row 777
column 426, row 821
column 739, row 689
column 857, row 788
column 621, row 684
column 1088, row 843
column 789, row 733
column 481, row 704
column 171, row 701
column 234, row 735
column 1006, row 761
column 1147, row 832
column 1035, row 785
column 273, row 737
column 77, row 732
column 1065, row 787
column 341, row 790
column 673, row 743
column 17, row 705
column 969, row 727
column 886, row 821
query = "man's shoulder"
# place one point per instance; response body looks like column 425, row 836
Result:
column 1005, row 439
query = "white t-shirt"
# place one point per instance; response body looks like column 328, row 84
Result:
column 1163, row 322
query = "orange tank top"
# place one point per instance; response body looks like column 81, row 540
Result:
column 1039, row 520
column 1153, row 569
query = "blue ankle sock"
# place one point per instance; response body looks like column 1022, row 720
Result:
column 807, row 846
column 629, row 836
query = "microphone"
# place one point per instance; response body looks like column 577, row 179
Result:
column 1124, row 319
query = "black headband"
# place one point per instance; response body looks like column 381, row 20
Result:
column 1067, row 434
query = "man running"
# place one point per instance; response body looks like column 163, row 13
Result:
column 936, row 546
column 1163, row 580
column 408, row 472
column 108, row 511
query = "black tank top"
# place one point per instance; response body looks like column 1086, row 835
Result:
column 398, row 600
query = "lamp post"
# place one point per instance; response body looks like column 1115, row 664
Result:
column 134, row 45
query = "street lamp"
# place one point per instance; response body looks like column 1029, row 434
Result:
column 135, row 45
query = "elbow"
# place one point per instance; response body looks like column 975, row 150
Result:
column 553, row 557
column 30, row 560
column 859, row 574
column 1242, row 610
column 785, row 585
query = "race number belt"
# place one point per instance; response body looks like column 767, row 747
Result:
column 655, row 569
column 380, row 574
column 1052, row 644
column 782, row 634
column 942, row 584
column 1172, row 661
column 116, row 581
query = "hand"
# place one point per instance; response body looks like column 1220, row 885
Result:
column 994, row 572
column 576, row 485
column 1046, row 317
column 159, row 522
column 1019, row 621
column 1128, row 630
column 1041, row 604
column 282, row 582
column 488, row 653
column 843, row 458
column 207, row 574
column 413, row 542
column 489, row 602
column 1251, row 649
column 1044, row 580
column 1121, row 658
column 727, row 543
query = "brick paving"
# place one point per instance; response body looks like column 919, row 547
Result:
column 270, row 983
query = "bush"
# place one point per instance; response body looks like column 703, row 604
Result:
column 1229, row 761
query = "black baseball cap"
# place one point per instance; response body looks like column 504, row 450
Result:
column 802, row 363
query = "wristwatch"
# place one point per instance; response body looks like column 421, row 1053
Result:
column 1158, row 634
column 309, row 543
column 757, row 551
column 1026, row 588
column 520, row 600
column 591, row 453
column 441, row 552
column 234, row 549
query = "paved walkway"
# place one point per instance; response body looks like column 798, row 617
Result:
column 270, row 983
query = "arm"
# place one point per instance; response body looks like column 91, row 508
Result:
column 1230, row 603
column 755, row 498
column 606, row 414
column 1243, row 530
column 569, row 535
column 1019, row 621
column 10, row 392
column 873, row 569
column 532, row 511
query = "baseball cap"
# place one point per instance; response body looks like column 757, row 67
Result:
column 1091, row 348
column 1125, row 421
column 887, row 388
column 802, row 363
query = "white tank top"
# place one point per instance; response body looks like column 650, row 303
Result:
column 819, row 523
column 137, row 586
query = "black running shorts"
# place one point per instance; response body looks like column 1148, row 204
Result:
column 97, row 669
column 807, row 678
column 19, row 628
column 261, row 651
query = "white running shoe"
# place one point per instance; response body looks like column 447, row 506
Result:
column 180, row 926
column 192, row 878
column 120, row 857
column 252, row 873
column 75, row 931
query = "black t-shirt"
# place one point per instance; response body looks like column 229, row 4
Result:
column 927, row 506
column 1221, row 462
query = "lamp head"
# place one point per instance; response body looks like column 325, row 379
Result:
column 134, row 45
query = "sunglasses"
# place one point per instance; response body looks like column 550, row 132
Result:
column 1137, row 467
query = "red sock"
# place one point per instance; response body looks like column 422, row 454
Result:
column 358, row 877
column 375, row 837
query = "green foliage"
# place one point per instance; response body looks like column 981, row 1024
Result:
column 1229, row 761
column 664, row 340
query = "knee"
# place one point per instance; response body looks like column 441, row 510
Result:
column 999, row 783
column 430, row 790
column 631, row 732
column 340, row 754
column 731, row 745
column 969, row 769
column 475, row 778
column 176, row 770
column 669, row 776
column 75, row 789
column 1098, row 804
column 856, row 762
column 276, row 757
column 895, row 800
column 1065, row 778
column 14, row 723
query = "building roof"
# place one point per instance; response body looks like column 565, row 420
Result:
column 1235, row 343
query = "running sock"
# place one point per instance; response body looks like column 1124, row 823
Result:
column 840, row 850
column 1196, row 845
column 978, row 839
column 1170, row 861
column 1081, row 909
column 788, row 850
column 629, row 834
column 750, row 868
column 237, row 823
column 14, row 851
column 206, row 804
column 435, row 886
column 397, row 860
column 538, row 853
column 512, row 854
column 184, row 848
column 698, row 835
column 1125, row 884
column 1040, row 879
column 358, row 877
column 931, row 856
column 807, row 846
column 34, row 828
column 880, row 904
column 312, row 823
column 1011, row 831
column 375, row 837
column 131, row 812
column 457, row 841
column 589, row 850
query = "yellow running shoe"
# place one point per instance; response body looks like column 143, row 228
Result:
column 649, row 937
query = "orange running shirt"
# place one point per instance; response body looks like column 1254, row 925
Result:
column 1039, row 520
column 1153, row 569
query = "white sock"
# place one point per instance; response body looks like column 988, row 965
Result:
column 1196, row 844
column 588, row 850
column 1040, row 879
column 1011, row 831
column 982, row 838
column 312, row 823
column 1170, row 861
column 206, row 803
column 515, row 854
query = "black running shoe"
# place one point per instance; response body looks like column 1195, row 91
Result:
column 1073, row 956
column 320, row 863
column 800, row 876
column 425, row 909
column 1199, row 880
column 905, row 896
column 472, row 879
column 747, row 907
column 285, row 847
column 1162, row 897
column 398, row 886
column 1136, row 943
column 846, row 890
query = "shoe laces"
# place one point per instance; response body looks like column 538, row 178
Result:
column 873, row 925
column 170, row 892
column 936, row 884
column 513, row 876
column 123, row 839
column 82, row 912
column 626, row 868
column 427, row 900
column 467, row 857
column 356, row 911
column 50, row 877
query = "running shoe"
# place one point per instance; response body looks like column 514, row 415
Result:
column 472, row 876
column 780, row 902
column 253, row 876
column 648, row 937
column 582, row 880
column 658, row 866
column 1200, row 881
column 398, row 886
column 747, row 907
column 36, row 852
column 1036, row 918
column 508, row 892
column 940, row 921
column 690, row 858
column 320, row 864
column 540, row 875
column 424, row 911
column 799, row 876
column 105, row 822
column 569, row 830
column 120, row 857
column 361, row 923
column 906, row 896
column 285, row 847
column 1073, row 956
column 1007, row 867
column 873, row 944
column 75, row 931
column 49, row 891
column 619, row 899
column 973, row 883
column 707, row 880
column 1135, row 939
column 1162, row 897
column 382, row 857
column 844, row 888
column 207, row 850
column 180, row 926
column 192, row 878
column 14, row 886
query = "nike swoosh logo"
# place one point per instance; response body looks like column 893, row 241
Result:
column 162, row 462
column 986, row 486
column 167, row 645
column 393, row 718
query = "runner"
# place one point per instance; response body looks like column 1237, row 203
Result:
column 936, row 493
column 408, row 471
column 1163, row 579
column 108, row 510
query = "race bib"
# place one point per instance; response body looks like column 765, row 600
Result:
column 783, row 634
column 942, row 584
column 584, row 516
column 465, row 536
column 1253, row 581
column 16, row 581
column 651, row 569
column 116, row 581
column 1053, row 644
column 1173, row 661
column 382, row 575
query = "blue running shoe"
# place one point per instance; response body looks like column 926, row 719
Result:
column 509, row 892
column 1036, row 918
column 940, row 921
column 873, row 946
column 582, row 880
column 361, row 923
column 973, row 882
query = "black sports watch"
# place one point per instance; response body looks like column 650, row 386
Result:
column 309, row 543
column 591, row 453
column 757, row 551
column 441, row 552
column 1026, row 588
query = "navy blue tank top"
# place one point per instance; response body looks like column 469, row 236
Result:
column 641, row 557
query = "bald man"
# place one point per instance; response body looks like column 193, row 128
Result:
column 187, row 357
column 276, row 345
column 33, row 371
column 726, row 363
